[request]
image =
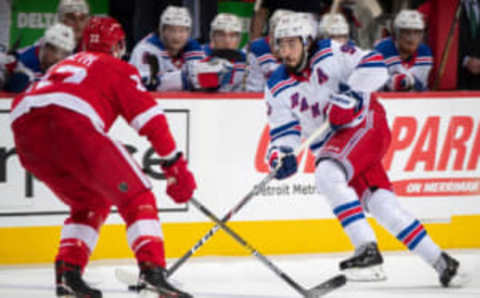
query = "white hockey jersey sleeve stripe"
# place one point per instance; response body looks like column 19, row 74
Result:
column 141, row 119
column 291, row 128
column 61, row 99
column 321, row 55
column 372, row 60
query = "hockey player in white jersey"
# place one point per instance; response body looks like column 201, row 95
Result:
column 225, row 36
column 321, row 82
column 335, row 27
column 165, row 58
column 261, row 58
column 409, row 60
column 75, row 14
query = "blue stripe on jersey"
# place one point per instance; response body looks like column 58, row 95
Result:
column 371, row 65
column 315, row 146
column 283, row 127
column 287, row 133
column 295, row 83
column 268, row 60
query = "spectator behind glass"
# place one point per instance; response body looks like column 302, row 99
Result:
column 225, row 36
column 268, row 7
column 408, row 59
column 262, row 59
column 163, row 56
column 469, row 47
column 335, row 27
column 30, row 63
column 146, row 13
column 75, row 14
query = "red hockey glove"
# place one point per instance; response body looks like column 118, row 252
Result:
column 401, row 82
column 180, row 181
column 343, row 109
column 208, row 74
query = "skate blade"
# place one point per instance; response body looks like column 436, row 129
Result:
column 373, row 273
column 155, row 293
column 461, row 279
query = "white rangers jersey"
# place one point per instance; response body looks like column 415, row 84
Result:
column 261, row 63
column 170, row 73
column 296, row 104
column 418, row 65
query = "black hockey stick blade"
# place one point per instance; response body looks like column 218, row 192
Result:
column 231, row 55
column 327, row 286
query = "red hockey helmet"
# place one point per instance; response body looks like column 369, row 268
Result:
column 104, row 34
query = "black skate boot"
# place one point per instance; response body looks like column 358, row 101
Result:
column 448, row 271
column 365, row 265
column 152, row 278
column 70, row 283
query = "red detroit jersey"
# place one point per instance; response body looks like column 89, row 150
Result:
column 101, row 88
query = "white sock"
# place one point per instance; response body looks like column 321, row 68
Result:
column 343, row 200
column 386, row 209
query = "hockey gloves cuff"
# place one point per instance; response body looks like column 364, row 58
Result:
column 180, row 181
column 343, row 109
column 282, row 160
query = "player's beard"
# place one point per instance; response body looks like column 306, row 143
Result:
column 296, row 69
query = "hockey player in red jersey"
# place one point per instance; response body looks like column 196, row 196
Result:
column 60, row 127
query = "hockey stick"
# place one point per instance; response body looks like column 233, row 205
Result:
column 130, row 278
column 247, row 198
column 317, row 291
column 154, row 68
column 446, row 50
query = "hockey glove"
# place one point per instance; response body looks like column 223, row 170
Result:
column 343, row 109
column 401, row 82
column 180, row 181
column 209, row 74
column 282, row 160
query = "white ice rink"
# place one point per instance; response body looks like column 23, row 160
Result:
column 246, row 277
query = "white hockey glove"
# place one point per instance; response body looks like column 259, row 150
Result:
column 208, row 75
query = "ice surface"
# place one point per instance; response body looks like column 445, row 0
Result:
column 246, row 277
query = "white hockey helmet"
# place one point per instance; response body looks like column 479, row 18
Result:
column 333, row 24
column 175, row 16
column 275, row 18
column 226, row 22
column 409, row 19
column 60, row 36
column 72, row 6
column 293, row 25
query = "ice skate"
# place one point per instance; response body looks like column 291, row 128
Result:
column 365, row 265
column 449, row 272
column 69, row 282
column 152, row 279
